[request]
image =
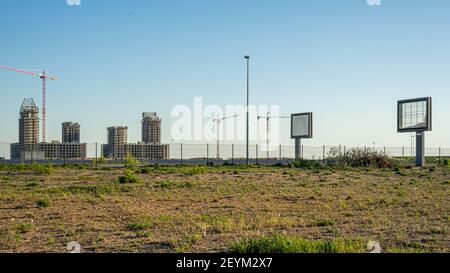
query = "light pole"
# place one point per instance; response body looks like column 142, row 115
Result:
column 248, row 102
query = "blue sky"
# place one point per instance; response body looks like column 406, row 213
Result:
column 346, row 61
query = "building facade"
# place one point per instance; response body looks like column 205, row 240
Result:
column 151, row 128
column 70, row 132
column 49, row 151
column 29, row 147
column 28, row 122
column 150, row 148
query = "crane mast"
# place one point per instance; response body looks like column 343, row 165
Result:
column 44, row 78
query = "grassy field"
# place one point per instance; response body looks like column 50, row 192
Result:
column 226, row 208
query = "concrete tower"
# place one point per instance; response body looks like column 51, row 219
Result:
column 151, row 128
column 70, row 132
column 29, row 122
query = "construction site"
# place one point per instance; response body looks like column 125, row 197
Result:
column 29, row 147
column 149, row 148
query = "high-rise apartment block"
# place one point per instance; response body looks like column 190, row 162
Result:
column 70, row 132
column 29, row 122
column 29, row 147
column 151, row 128
column 149, row 148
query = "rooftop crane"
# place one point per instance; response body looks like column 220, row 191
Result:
column 219, row 120
column 43, row 76
column 268, row 118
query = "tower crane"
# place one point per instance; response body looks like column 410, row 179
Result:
column 43, row 76
column 268, row 118
column 219, row 120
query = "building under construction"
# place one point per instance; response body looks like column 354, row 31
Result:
column 150, row 147
column 29, row 147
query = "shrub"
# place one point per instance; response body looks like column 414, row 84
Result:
column 129, row 177
column 194, row 170
column 131, row 162
column 306, row 164
column 359, row 158
column 287, row 244
column 43, row 203
column 167, row 184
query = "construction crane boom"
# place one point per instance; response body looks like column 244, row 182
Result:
column 219, row 120
column 268, row 118
column 43, row 76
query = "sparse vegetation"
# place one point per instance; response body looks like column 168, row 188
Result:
column 225, row 208
column 290, row 244
column 358, row 157
column 43, row 203
column 129, row 177
column 131, row 162
column 22, row 228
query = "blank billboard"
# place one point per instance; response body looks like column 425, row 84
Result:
column 414, row 115
column 301, row 125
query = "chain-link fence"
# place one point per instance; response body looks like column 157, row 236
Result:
column 235, row 153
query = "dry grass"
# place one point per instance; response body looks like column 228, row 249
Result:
column 209, row 209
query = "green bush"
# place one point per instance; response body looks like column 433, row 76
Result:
column 129, row 177
column 305, row 164
column 131, row 162
column 194, row 170
column 288, row 244
column 43, row 203
column 357, row 158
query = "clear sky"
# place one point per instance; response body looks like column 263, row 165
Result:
column 346, row 61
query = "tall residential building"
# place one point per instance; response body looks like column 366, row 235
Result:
column 151, row 128
column 28, row 147
column 29, row 122
column 117, row 138
column 149, row 148
column 70, row 132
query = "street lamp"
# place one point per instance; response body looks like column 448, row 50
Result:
column 248, row 102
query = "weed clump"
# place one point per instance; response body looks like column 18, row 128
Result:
column 131, row 162
column 194, row 170
column 129, row 177
column 43, row 203
column 22, row 228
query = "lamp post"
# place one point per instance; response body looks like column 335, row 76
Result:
column 248, row 102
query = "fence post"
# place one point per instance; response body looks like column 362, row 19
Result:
column 181, row 154
column 384, row 150
column 440, row 156
column 96, row 155
column 232, row 154
column 280, row 153
column 403, row 151
column 303, row 149
column 345, row 149
column 323, row 154
column 207, row 153
column 256, row 154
